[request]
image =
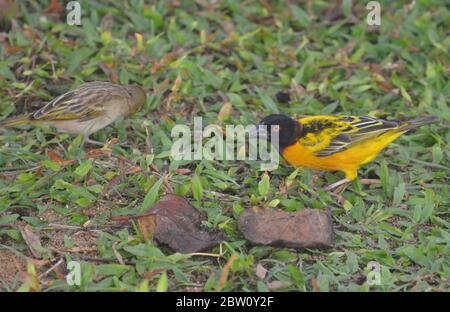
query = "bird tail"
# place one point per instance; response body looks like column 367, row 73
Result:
column 14, row 121
column 419, row 122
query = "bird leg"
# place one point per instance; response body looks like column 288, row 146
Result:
column 339, row 185
column 103, row 144
column 93, row 142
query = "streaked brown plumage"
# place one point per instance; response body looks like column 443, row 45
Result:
column 87, row 109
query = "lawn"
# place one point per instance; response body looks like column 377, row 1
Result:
column 230, row 62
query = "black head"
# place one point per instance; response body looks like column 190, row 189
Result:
column 289, row 129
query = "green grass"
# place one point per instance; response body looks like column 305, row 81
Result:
column 191, row 59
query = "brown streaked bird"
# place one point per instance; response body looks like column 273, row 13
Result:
column 85, row 110
column 337, row 143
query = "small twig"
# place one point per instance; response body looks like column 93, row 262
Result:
column 52, row 268
column 205, row 254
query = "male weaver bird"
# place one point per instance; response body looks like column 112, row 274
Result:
column 337, row 143
column 85, row 110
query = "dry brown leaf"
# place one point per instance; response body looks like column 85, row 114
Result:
column 225, row 112
column 147, row 226
column 225, row 272
column 314, row 284
column 150, row 275
column 32, row 240
column 309, row 228
column 167, row 59
column 182, row 171
column 385, row 85
column 121, row 218
column 178, row 225
column 55, row 157
column 12, row 49
column 133, row 169
column 59, row 272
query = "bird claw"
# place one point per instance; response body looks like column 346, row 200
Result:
column 93, row 142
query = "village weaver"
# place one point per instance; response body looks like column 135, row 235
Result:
column 85, row 110
column 337, row 143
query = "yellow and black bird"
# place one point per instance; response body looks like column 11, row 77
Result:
column 337, row 143
column 85, row 110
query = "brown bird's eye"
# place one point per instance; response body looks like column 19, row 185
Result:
column 276, row 128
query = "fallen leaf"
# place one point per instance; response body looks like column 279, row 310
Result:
column 133, row 169
column 13, row 49
column 96, row 153
column 177, row 225
column 385, row 85
column 59, row 272
column 147, row 226
column 150, row 275
column 182, row 171
column 32, row 240
column 309, row 228
column 55, row 157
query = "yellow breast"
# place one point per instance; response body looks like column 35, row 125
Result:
column 347, row 161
